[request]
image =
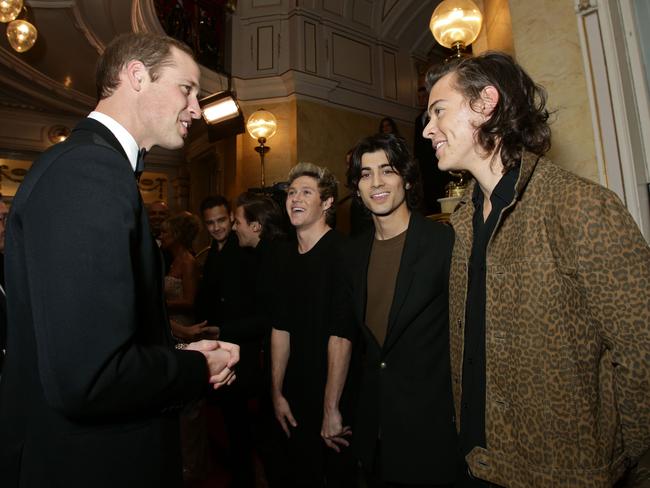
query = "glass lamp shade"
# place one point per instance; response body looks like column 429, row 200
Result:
column 9, row 9
column 456, row 21
column 262, row 123
column 21, row 35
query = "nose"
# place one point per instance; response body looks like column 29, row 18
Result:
column 194, row 108
column 377, row 180
column 430, row 129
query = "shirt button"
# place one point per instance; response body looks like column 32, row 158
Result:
column 382, row 365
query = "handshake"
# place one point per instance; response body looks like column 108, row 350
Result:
column 221, row 358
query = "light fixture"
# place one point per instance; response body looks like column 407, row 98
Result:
column 21, row 33
column 261, row 126
column 456, row 24
column 58, row 133
column 9, row 9
column 222, row 114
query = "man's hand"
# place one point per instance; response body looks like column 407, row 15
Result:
column 333, row 432
column 221, row 357
column 283, row 413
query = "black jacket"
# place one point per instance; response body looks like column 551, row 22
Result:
column 90, row 383
column 405, row 396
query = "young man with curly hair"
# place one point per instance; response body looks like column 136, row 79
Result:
column 549, row 311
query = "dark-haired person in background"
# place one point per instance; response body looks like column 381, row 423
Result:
column 549, row 302
column 397, row 285
column 258, row 224
column 388, row 126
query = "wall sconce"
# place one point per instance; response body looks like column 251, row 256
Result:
column 456, row 24
column 58, row 133
column 261, row 126
column 21, row 34
column 222, row 114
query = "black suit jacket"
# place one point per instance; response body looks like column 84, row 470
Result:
column 405, row 396
column 90, row 383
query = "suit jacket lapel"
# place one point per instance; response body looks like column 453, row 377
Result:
column 405, row 277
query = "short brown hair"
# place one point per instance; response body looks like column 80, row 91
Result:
column 153, row 50
column 263, row 210
column 326, row 181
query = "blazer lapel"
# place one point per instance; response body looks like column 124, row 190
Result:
column 405, row 277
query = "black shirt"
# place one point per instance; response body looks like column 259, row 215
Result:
column 472, row 416
column 311, row 304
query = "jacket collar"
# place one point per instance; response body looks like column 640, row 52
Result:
column 528, row 164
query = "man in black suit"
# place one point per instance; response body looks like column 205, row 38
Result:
column 91, row 384
column 397, row 288
column 226, row 300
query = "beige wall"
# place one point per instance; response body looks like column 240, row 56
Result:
column 278, row 160
column 496, row 34
column 545, row 34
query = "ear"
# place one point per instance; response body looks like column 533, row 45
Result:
column 255, row 225
column 136, row 73
column 489, row 100
column 327, row 203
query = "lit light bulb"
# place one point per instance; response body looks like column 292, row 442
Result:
column 21, row 35
column 9, row 9
column 262, row 124
column 456, row 22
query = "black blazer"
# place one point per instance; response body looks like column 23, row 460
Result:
column 405, row 396
column 90, row 384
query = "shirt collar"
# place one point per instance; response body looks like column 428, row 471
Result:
column 127, row 141
column 504, row 191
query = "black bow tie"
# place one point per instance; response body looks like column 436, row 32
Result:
column 139, row 166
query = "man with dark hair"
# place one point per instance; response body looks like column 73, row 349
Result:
column 92, row 385
column 397, row 284
column 225, row 300
column 309, row 332
column 549, row 310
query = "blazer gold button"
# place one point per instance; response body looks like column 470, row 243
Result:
column 382, row 365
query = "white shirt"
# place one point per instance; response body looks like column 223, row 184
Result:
column 127, row 141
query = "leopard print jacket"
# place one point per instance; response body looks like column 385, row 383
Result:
column 567, row 333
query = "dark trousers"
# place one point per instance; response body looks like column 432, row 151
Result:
column 374, row 477
column 233, row 402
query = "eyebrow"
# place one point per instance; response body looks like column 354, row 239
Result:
column 381, row 166
column 434, row 103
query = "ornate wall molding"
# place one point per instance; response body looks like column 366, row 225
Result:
column 585, row 6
